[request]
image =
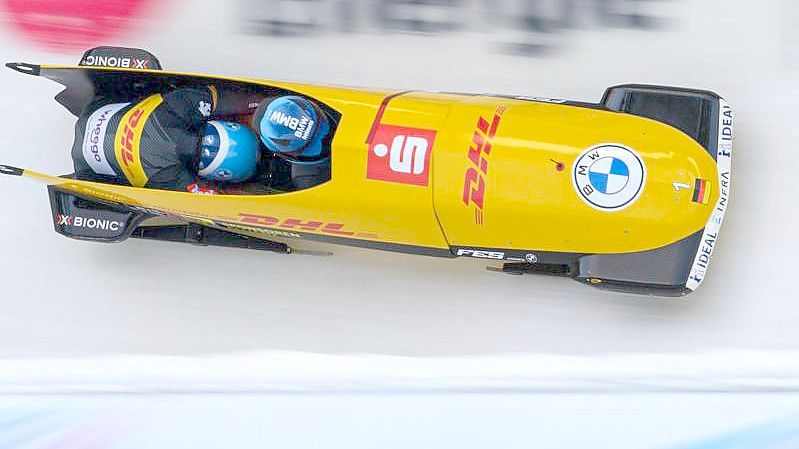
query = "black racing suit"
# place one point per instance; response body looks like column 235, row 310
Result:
column 150, row 143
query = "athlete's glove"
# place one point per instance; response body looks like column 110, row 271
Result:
column 202, row 189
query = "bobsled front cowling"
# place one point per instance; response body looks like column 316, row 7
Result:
column 513, row 174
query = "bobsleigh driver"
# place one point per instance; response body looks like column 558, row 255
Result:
column 174, row 141
column 294, row 130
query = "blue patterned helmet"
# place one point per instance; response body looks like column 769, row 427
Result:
column 229, row 152
column 292, row 125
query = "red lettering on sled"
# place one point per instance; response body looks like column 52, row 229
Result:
column 474, row 182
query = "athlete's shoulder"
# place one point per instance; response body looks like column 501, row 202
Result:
column 192, row 105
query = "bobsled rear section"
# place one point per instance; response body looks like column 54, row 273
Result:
column 84, row 219
column 90, row 219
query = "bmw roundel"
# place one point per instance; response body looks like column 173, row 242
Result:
column 609, row 176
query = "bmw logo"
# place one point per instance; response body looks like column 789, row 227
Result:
column 224, row 173
column 609, row 177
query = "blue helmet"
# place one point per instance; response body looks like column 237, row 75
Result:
column 293, row 126
column 229, row 152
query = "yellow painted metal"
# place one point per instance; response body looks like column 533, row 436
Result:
column 530, row 198
column 529, row 203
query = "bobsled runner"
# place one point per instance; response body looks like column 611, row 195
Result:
column 626, row 194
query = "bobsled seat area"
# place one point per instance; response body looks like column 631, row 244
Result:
column 121, row 75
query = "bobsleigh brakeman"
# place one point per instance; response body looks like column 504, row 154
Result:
column 627, row 194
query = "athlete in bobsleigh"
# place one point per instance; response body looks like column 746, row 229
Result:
column 294, row 131
column 184, row 144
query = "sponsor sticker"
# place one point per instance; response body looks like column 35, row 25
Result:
column 400, row 154
column 474, row 180
column 94, row 138
column 128, row 139
column 481, row 254
column 609, row 176
column 115, row 61
column 89, row 223
column 711, row 232
column 302, row 126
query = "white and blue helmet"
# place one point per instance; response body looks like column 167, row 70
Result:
column 293, row 126
column 229, row 152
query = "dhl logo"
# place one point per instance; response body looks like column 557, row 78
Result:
column 128, row 139
column 128, row 136
column 474, row 181
column 302, row 225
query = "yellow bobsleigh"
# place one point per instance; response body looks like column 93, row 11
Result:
column 627, row 194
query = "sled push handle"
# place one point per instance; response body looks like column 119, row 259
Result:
column 22, row 67
column 11, row 171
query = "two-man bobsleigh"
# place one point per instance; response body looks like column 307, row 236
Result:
column 627, row 194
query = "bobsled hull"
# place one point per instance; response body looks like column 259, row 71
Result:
column 627, row 194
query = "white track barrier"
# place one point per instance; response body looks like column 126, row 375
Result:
column 292, row 372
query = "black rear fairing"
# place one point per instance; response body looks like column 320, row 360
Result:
column 84, row 219
column 79, row 218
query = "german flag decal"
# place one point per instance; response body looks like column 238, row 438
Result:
column 701, row 191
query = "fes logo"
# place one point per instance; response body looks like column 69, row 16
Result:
column 609, row 177
column 400, row 154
